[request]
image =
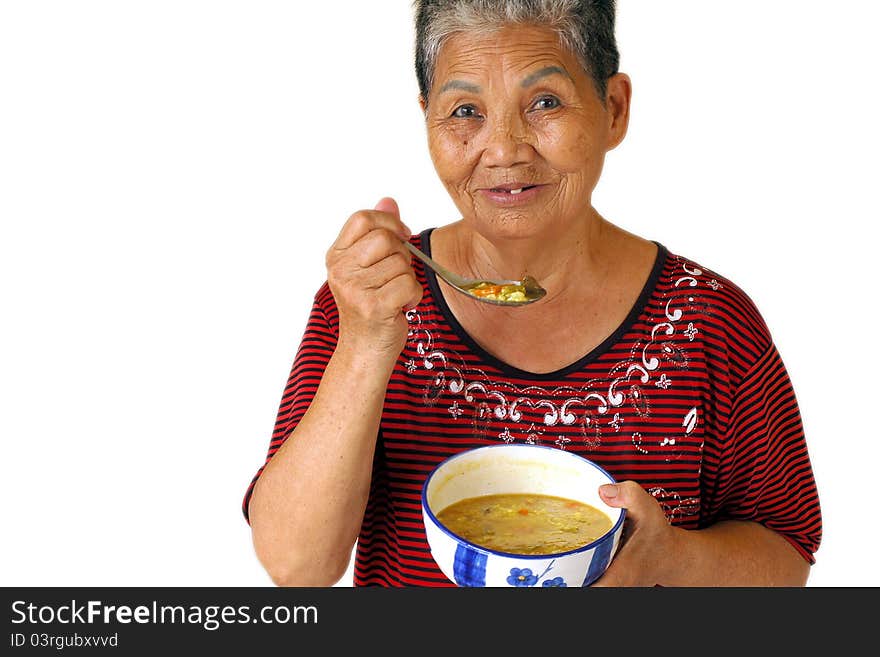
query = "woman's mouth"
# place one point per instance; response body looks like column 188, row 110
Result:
column 516, row 194
column 518, row 190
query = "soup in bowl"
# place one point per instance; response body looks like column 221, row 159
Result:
column 520, row 515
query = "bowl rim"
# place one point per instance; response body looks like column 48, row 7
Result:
column 608, row 535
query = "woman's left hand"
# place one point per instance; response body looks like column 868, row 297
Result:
column 648, row 543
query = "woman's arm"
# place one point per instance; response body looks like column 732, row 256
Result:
column 729, row 553
column 307, row 506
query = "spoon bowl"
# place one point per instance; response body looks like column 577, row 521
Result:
column 500, row 293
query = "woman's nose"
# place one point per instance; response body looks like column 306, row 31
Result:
column 507, row 142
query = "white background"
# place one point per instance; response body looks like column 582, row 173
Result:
column 171, row 174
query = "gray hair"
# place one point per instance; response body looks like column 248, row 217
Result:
column 585, row 27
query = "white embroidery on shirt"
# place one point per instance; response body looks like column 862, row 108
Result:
column 674, row 504
column 616, row 422
column 533, row 436
column 690, row 421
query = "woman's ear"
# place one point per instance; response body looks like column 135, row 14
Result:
column 423, row 104
column 617, row 104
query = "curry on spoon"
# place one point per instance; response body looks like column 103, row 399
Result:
column 501, row 293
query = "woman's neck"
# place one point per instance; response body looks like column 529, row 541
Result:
column 575, row 254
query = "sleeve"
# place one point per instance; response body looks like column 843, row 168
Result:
column 316, row 347
column 764, row 471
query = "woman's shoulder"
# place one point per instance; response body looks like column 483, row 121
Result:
column 324, row 310
column 690, row 269
column 324, row 297
column 713, row 299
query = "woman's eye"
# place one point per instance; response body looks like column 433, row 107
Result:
column 546, row 103
column 465, row 112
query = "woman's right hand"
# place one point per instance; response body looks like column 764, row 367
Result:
column 369, row 271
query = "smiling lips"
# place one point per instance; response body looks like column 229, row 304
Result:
column 514, row 193
column 511, row 188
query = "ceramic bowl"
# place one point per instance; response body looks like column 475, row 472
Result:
column 517, row 468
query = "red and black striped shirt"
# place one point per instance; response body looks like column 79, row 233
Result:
column 689, row 397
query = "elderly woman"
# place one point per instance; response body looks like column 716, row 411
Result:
column 644, row 361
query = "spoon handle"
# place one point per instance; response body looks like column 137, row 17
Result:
column 453, row 279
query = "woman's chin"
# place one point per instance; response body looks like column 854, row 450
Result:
column 519, row 224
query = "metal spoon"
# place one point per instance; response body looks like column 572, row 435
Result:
column 521, row 292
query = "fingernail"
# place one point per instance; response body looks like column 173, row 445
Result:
column 608, row 490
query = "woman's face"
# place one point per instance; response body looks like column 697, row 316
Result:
column 513, row 110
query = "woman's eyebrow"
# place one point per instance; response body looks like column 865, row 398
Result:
column 542, row 73
column 461, row 85
column 526, row 82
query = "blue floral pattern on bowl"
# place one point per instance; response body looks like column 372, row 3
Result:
column 556, row 581
column 525, row 577
column 521, row 577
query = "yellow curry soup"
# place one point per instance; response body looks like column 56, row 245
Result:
column 507, row 293
column 520, row 523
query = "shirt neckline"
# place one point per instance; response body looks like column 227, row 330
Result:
column 580, row 363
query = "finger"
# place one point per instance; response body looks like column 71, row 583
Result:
column 405, row 291
column 388, row 268
column 608, row 579
column 624, row 494
column 377, row 245
column 363, row 221
column 390, row 300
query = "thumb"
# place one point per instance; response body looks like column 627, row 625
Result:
column 624, row 494
column 389, row 205
column 610, row 494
